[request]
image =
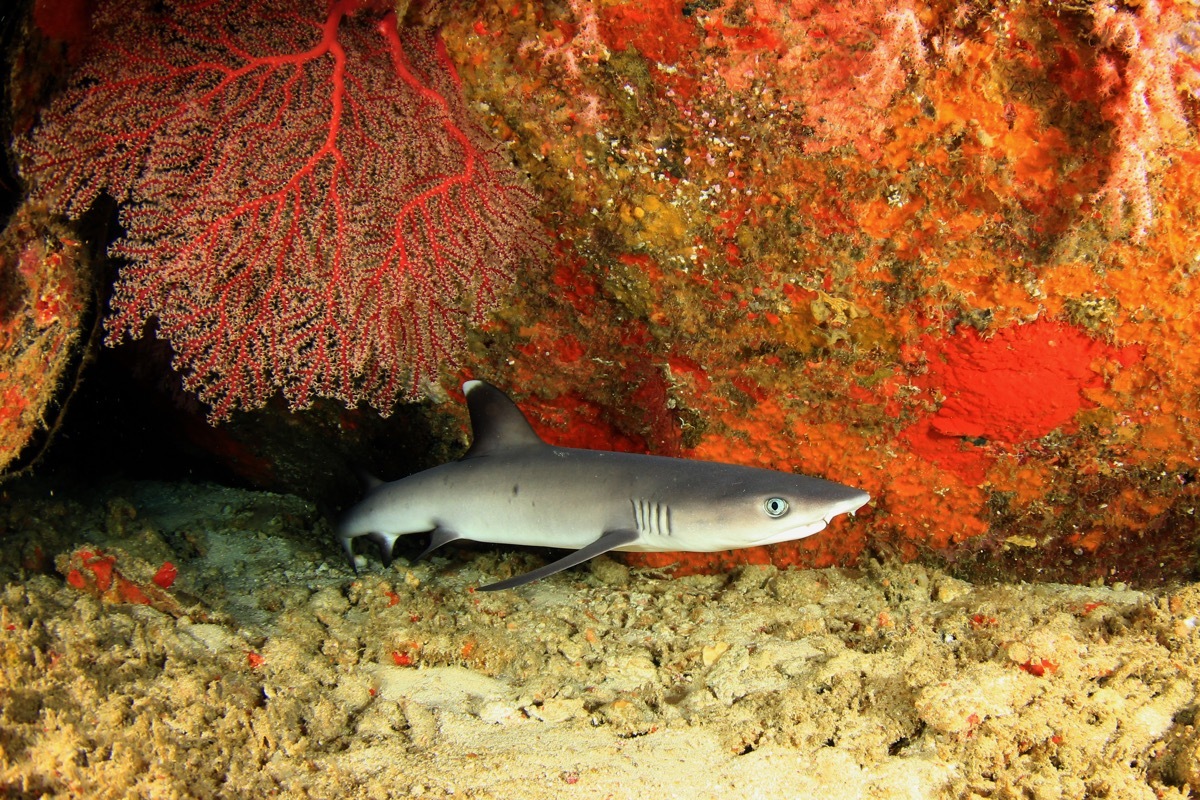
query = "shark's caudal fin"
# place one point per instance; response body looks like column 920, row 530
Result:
column 496, row 422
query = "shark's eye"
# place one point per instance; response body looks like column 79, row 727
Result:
column 775, row 507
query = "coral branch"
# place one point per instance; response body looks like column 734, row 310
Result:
column 1146, row 111
column 844, row 64
column 307, row 205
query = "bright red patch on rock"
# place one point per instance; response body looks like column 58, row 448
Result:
column 129, row 592
column 101, row 566
column 165, row 575
column 659, row 30
column 1018, row 385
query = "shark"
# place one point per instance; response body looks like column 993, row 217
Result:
column 511, row 487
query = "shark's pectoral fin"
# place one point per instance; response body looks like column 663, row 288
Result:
column 439, row 537
column 611, row 540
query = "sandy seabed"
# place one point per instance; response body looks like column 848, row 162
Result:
column 269, row 668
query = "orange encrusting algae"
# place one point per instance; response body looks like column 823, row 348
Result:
column 45, row 291
column 922, row 292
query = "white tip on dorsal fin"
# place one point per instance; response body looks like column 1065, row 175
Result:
column 496, row 422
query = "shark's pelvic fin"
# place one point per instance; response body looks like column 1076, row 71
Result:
column 439, row 538
column 497, row 424
column 348, row 547
column 609, row 541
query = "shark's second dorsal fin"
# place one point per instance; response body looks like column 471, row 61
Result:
column 496, row 422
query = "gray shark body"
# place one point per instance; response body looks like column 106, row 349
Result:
column 513, row 488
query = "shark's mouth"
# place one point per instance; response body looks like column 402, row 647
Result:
column 794, row 532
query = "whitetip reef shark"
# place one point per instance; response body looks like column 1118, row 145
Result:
column 513, row 488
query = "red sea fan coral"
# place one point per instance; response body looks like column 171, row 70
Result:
column 307, row 205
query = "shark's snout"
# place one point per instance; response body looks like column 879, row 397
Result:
column 850, row 505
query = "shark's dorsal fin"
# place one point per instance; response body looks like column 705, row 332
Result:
column 496, row 422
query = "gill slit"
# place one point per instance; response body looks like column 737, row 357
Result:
column 651, row 518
